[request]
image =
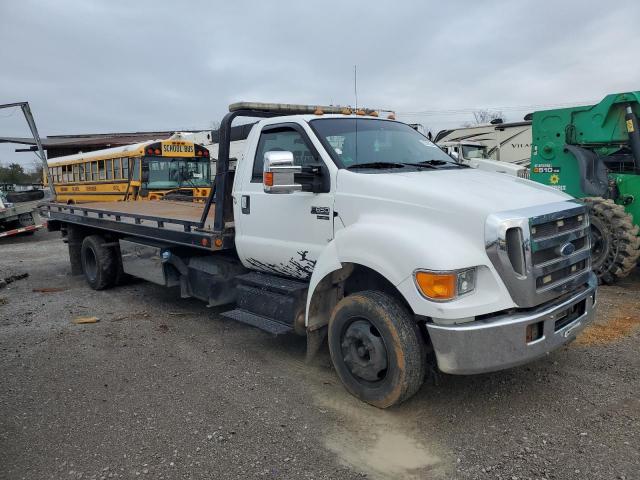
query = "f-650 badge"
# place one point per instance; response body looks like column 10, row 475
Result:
column 321, row 212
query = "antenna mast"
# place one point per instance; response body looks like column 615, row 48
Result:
column 355, row 84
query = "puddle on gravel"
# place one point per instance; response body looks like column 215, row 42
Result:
column 384, row 444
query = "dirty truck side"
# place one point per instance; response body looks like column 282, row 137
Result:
column 356, row 230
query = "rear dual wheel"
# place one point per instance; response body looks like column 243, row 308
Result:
column 615, row 245
column 99, row 262
column 376, row 348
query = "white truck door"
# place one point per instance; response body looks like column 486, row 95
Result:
column 282, row 233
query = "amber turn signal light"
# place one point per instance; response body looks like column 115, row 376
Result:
column 437, row 286
column 267, row 179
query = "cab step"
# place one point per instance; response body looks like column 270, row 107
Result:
column 263, row 323
column 273, row 283
column 278, row 299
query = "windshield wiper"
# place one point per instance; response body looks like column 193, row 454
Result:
column 441, row 163
column 379, row 165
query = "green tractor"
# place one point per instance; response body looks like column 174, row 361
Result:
column 593, row 153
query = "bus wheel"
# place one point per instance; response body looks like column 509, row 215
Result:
column 376, row 348
column 99, row 263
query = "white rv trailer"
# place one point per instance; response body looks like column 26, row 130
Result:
column 506, row 142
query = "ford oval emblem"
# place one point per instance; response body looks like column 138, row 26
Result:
column 567, row 249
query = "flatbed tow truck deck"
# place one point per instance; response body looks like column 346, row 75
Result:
column 164, row 220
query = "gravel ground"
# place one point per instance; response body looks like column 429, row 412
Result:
column 162, row 387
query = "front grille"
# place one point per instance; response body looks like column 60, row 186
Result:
column 541, row 253
column 556, row 227
column 559, row 248
column 560, row 274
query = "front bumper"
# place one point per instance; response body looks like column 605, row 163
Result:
column 501, row 342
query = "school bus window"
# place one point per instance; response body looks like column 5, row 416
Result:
column 76, row 177
column 81, row 172
column 136, row 169
column 109, row 169
column 94, row 171
column 116, row 168
column 125, row 168
column 101, row 169
column 65, row 174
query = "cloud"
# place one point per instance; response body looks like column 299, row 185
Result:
column 107, row 66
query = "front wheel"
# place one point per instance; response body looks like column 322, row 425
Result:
column 376, row 348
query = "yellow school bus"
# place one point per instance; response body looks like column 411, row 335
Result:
column 172, row 168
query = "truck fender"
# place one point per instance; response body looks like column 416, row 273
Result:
column 357, row 245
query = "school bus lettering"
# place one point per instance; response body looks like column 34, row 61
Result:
column 177, row 149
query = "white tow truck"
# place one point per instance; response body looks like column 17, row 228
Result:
column 359, row 230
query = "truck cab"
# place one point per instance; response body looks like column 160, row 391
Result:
column 355, row 229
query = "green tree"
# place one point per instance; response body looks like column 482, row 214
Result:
column 14, row 173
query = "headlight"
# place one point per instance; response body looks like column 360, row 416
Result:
column 444, row 286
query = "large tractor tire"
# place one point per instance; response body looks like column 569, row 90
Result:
column 615, row 245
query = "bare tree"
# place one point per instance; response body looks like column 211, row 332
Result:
column 481, row 117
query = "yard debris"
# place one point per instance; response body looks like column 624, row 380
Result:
column 48, row 290
column 3, row 301
column 83, row 320
column 12, row 278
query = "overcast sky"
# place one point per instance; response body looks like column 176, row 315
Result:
column 90, row 66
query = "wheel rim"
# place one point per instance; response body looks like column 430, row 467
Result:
column 363, row 351
column 600, row 244
column 90, row 264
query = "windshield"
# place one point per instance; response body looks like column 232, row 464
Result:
column 169, row 172
column 474, row 151
column 379, row 144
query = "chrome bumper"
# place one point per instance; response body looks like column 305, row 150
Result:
column 501, row 342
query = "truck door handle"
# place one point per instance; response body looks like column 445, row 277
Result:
column 245, row 204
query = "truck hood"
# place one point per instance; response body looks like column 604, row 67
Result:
column 450, row 192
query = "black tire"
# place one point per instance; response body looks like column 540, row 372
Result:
column 25, row 220
column 376, row 348
column 99, row 263
column 615, row 245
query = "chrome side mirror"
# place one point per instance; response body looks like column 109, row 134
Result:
column 278, row 174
